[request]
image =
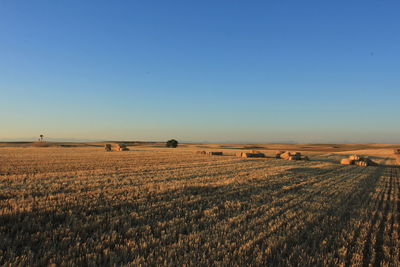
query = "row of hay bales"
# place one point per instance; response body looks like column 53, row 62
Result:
column 279, row 155
column 257, row 154
column 117, row 147
column 287, row 155
column 211, row 153
column 253, row 154
column 358, row 160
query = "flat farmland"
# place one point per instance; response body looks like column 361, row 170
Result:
column 156, row 206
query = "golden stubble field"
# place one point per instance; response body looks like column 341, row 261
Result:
column 157, row 206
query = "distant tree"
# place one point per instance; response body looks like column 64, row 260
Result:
column 172, row 143
column 41, row 137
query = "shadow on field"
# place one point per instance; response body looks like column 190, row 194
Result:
column 328, row 225
column 383, row 205
column 182, row 225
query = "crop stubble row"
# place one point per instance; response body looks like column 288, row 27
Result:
column 174, row 207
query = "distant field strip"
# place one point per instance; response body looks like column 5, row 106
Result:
column 84, row 206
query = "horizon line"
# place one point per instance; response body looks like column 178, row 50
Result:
column 22, row 140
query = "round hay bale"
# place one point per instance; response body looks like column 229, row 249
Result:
column 239, row 154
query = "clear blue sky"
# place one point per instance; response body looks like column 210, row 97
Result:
column 217, row 71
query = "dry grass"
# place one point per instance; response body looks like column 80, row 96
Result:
column 154, row 206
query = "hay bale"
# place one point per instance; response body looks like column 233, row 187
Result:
column 239, row 154
column 347, row 162
column 291, row 156
column 285, row 155
column 355, row 157
column 253, row 155
column 107, row 147
column 361, row 163
column 201, row 152
column 397, row 151
column 214, row 153
column 121, row 147
column 369, row 162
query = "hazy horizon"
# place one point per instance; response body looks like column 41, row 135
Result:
column 216, row 72
column 271, row 141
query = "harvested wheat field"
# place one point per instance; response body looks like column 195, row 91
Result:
column 159, row 206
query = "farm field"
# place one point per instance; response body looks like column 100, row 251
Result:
column 80, row 205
